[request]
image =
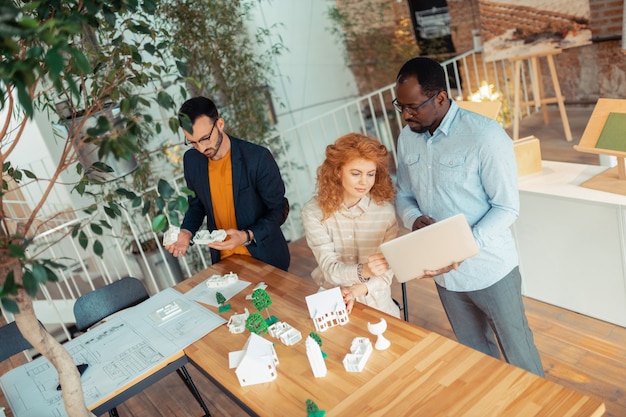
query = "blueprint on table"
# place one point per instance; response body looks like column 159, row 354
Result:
column 206, row 295
column 117, row 351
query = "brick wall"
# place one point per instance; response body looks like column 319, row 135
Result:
column 585, row 73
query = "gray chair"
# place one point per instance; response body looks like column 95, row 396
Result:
column 11, row 341
column 95, row 306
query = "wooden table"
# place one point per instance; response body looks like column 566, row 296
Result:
column 422, row 373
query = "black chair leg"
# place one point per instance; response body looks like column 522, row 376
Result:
column 405, row 307
column 113, row 412
column 184, row 375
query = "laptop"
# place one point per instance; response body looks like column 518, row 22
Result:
column 430, row 248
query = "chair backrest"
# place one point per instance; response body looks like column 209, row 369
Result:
column 94, row 306
column 11, row 341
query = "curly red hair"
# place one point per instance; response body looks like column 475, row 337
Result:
column 346, row 149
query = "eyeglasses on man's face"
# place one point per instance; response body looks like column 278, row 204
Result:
column 205, row 140
column 412, row 110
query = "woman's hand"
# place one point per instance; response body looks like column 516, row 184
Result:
column 351, row 293
column 377, row 265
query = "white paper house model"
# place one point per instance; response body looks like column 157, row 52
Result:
column 327, row 309
column 316, row 359
column 360, row 352
column 285, row 333
column 256, row 363
column 237, row 322
column 217, row 281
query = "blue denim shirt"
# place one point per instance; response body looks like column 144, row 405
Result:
column 467, row 166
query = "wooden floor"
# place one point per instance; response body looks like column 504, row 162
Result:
column 581, row 353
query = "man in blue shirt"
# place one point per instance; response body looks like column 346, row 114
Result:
column 454, row 161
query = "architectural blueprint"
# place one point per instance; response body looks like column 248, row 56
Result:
column 118, row 351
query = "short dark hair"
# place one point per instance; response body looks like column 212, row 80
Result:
column 428, row 72
column 194, row 108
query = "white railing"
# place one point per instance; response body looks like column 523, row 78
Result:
column 302, row 151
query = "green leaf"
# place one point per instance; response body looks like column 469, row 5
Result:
column 54, row 61
column 81, row 61
column 30, row 283
column 40, row 274
column 187, row 191
column 96, row 228
column 183, row 204
column 159, row 223
column 83, row 240
column 98, row 249
column 9, row 286
column 16, row 251
column 52, row 277
column 165, row 189
column 29, row 174
column 9, row 306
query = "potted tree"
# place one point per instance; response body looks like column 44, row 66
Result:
column 49, row 53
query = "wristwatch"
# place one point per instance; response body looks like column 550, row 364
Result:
column 249, row 236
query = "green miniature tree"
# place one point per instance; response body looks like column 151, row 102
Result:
column 261, row 300
column 221, row 300
column 312, row 410
column 256, row 324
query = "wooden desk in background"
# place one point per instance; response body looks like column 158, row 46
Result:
column 421, row 374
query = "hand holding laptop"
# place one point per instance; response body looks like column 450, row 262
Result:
column 430, row 251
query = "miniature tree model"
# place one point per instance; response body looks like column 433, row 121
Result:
column 318, row 339
column 221, row 300
column 312, row 410
column 256, row 324
column 261, row 300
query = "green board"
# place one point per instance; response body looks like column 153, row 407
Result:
column 613, row 136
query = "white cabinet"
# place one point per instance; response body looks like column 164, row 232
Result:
column 572, row 242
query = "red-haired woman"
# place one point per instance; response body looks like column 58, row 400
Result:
column 348, row 219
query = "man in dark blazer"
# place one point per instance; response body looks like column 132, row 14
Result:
column 237, row 186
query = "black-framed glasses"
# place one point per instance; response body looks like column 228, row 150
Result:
column 203, row 140
column 413, row 110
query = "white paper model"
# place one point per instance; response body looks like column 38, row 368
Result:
column 360, row 352
column 171, row 235
column 217, row 281
column 203, row 237
column 285, row 332
column 316, row 360
column 256, row 363
column 378, row 329
column 327, row 309
column 237, row 322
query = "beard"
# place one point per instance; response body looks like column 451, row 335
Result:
column 212, row 152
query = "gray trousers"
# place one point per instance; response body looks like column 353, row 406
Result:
column 492, row 317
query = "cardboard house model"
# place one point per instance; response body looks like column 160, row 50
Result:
column 256, row 363
column 327, row 309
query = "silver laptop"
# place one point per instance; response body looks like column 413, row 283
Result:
column 430, row 248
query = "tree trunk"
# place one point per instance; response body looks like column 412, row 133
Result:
column 44, row 343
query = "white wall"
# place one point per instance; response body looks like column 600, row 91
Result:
column 312, row 76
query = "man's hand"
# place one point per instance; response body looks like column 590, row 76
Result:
column 351, row 293
column 430, row 274
column 233, row 239
column 179, row 247
column 422, row 221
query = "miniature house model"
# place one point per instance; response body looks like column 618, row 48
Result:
column 256, row 363
column 316, row 359
column 327, row 309
column 237, row 322
column 360, row 352
column 217, row 281
column 285, row 332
